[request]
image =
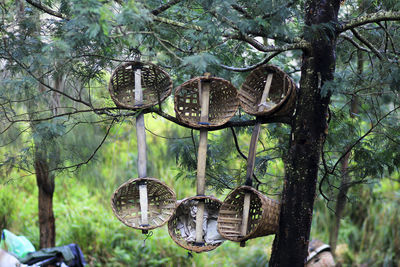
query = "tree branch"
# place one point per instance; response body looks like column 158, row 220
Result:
column 349, row 148
column 301, row 44
column 370, row 18
column 164, row 7
column 242, row 11
column 367, row 43
column 273, row 13
column 176, row 23
column 76, row 166
column 349, row 39
column 175, row 120
column 252, row 67
column 46, row 85
column 46, row 9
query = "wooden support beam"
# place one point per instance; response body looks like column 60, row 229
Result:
column 202, row 157
column 142, row 154
column 251, row 158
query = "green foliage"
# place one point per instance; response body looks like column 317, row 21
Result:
column 200, row 62
column 188, row 39
column 8, row 204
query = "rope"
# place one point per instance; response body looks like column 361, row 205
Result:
column 147, row 236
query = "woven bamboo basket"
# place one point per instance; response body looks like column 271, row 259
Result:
column 156, row 85
column 282, row 95
column 180, row 214
column 125, row 203
column 263, row 217
column 223, row 102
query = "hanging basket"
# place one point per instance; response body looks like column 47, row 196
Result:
column 222, row 106
column 125, row 203
column 282, row 95
column 182, row 226
column 156, row 85
column 263, row 217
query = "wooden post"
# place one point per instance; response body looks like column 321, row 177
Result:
column 251, row 158
column 201, row 157
column 141, row 145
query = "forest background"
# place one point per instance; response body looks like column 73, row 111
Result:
column 59, row 123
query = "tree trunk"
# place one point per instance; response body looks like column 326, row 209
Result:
column 341, row 199
column 309, row 129
column 45, row 183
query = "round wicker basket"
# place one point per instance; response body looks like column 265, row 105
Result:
column 282, row 95
column 156, row 85
column 263, row 217
column 222, row 106
column 125, row 203
column 181, row 215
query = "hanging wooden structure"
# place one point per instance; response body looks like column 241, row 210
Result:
column 156, row 85
column 196, row 98
column 144, row 203
column 282, row 96
column 246, row 213
column 223, row 102
column 182, row 213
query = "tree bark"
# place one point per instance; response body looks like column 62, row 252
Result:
column 45, row 183
column 309, row 129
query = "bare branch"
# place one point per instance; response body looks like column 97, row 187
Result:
column 175, row 120
column 76, row 166
column 252, row 67
column 301, row 44
column 388, row 36
column 47, row 10
column 241, row 153
column 370, row 18
column 164, row 7
column 46, row 85
column 176, row 23
column 166, row 48
column 237, row 144
column 367, row 43
column 273, row 13
column 242, row 11
column 349, row 39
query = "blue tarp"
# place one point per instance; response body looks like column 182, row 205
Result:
column 70, row 255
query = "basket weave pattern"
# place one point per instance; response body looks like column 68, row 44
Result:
column 263, row 217
column 223, row 102
column 125, row 203
column 156, row 85
column 211, row 203
column 282, row 93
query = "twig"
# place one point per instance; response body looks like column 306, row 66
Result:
column 164, row 137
